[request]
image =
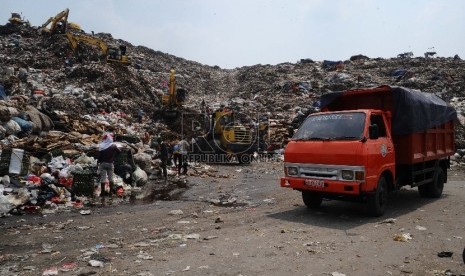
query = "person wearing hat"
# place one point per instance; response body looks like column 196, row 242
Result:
column 105, row 160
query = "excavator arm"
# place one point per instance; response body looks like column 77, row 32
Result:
column 74, row 39
column 60, row 17
column 172, row 88
column 46, row 23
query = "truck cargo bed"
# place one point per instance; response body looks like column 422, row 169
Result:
column 434, row 143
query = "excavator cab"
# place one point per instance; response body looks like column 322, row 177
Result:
column 60, row 27
column 117, row 54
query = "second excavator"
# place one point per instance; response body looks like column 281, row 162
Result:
column 111, row 53
column 172, row 101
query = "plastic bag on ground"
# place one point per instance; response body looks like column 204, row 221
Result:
column 139, row 177
column 9, row 202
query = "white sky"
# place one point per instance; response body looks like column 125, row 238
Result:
column 235, row 33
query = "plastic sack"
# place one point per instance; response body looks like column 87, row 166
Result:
column 25, row 126
column 57, row 163
column 2, row 132
column 5, row 205
column 34, row 179
column 12, row 127
column 85, row 160
column 139, row 177
column 16, row 161
column 20, row 198
column 143, row 160
column 77, row 168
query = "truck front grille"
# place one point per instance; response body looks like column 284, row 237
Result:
column 319, row 173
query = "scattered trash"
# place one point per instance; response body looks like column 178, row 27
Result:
column 145, row 273
column 47, row 248
column 68, row 266
column 85, row 212
column 420, row 228
column 176, row 212
column 445, row 254
column 403, row 237
column 144, row 256
column 142, row 244
column 50, row 271
column 388, row 221
column 95, row 263
column 192, row 236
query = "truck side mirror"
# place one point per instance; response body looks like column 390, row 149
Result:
column 373, row 132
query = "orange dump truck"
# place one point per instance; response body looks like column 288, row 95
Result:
column 368, row 142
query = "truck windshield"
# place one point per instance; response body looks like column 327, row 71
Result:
column 334, row 126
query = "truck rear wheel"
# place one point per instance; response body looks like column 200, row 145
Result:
column 377, row 201
column 434, row 188
column 311, row 199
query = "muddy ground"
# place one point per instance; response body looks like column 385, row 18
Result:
column 242, row 223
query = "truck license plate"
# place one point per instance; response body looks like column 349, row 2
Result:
column 315, row 183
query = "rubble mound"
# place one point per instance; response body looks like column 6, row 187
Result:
column 42, row 71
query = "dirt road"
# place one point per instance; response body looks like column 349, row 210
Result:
column 242, row 223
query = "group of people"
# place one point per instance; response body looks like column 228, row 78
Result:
column 108, row 151
column 176, row 153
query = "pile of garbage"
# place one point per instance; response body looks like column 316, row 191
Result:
column 41, row 71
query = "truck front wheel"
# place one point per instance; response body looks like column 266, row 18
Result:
column 434, row 188
column 311, row 199
column 377, row 201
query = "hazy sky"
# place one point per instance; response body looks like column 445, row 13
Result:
column 235, row 33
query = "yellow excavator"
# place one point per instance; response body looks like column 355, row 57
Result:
column 16, row 19
column 59, row 24
column 112, row 54
column 172, row 101
column 228, row 136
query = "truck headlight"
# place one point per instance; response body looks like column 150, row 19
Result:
column 347, row 175
column 292, row 171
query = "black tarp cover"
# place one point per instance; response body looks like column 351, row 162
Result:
column 414, row 111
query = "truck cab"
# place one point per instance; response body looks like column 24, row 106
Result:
column 340, row 153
